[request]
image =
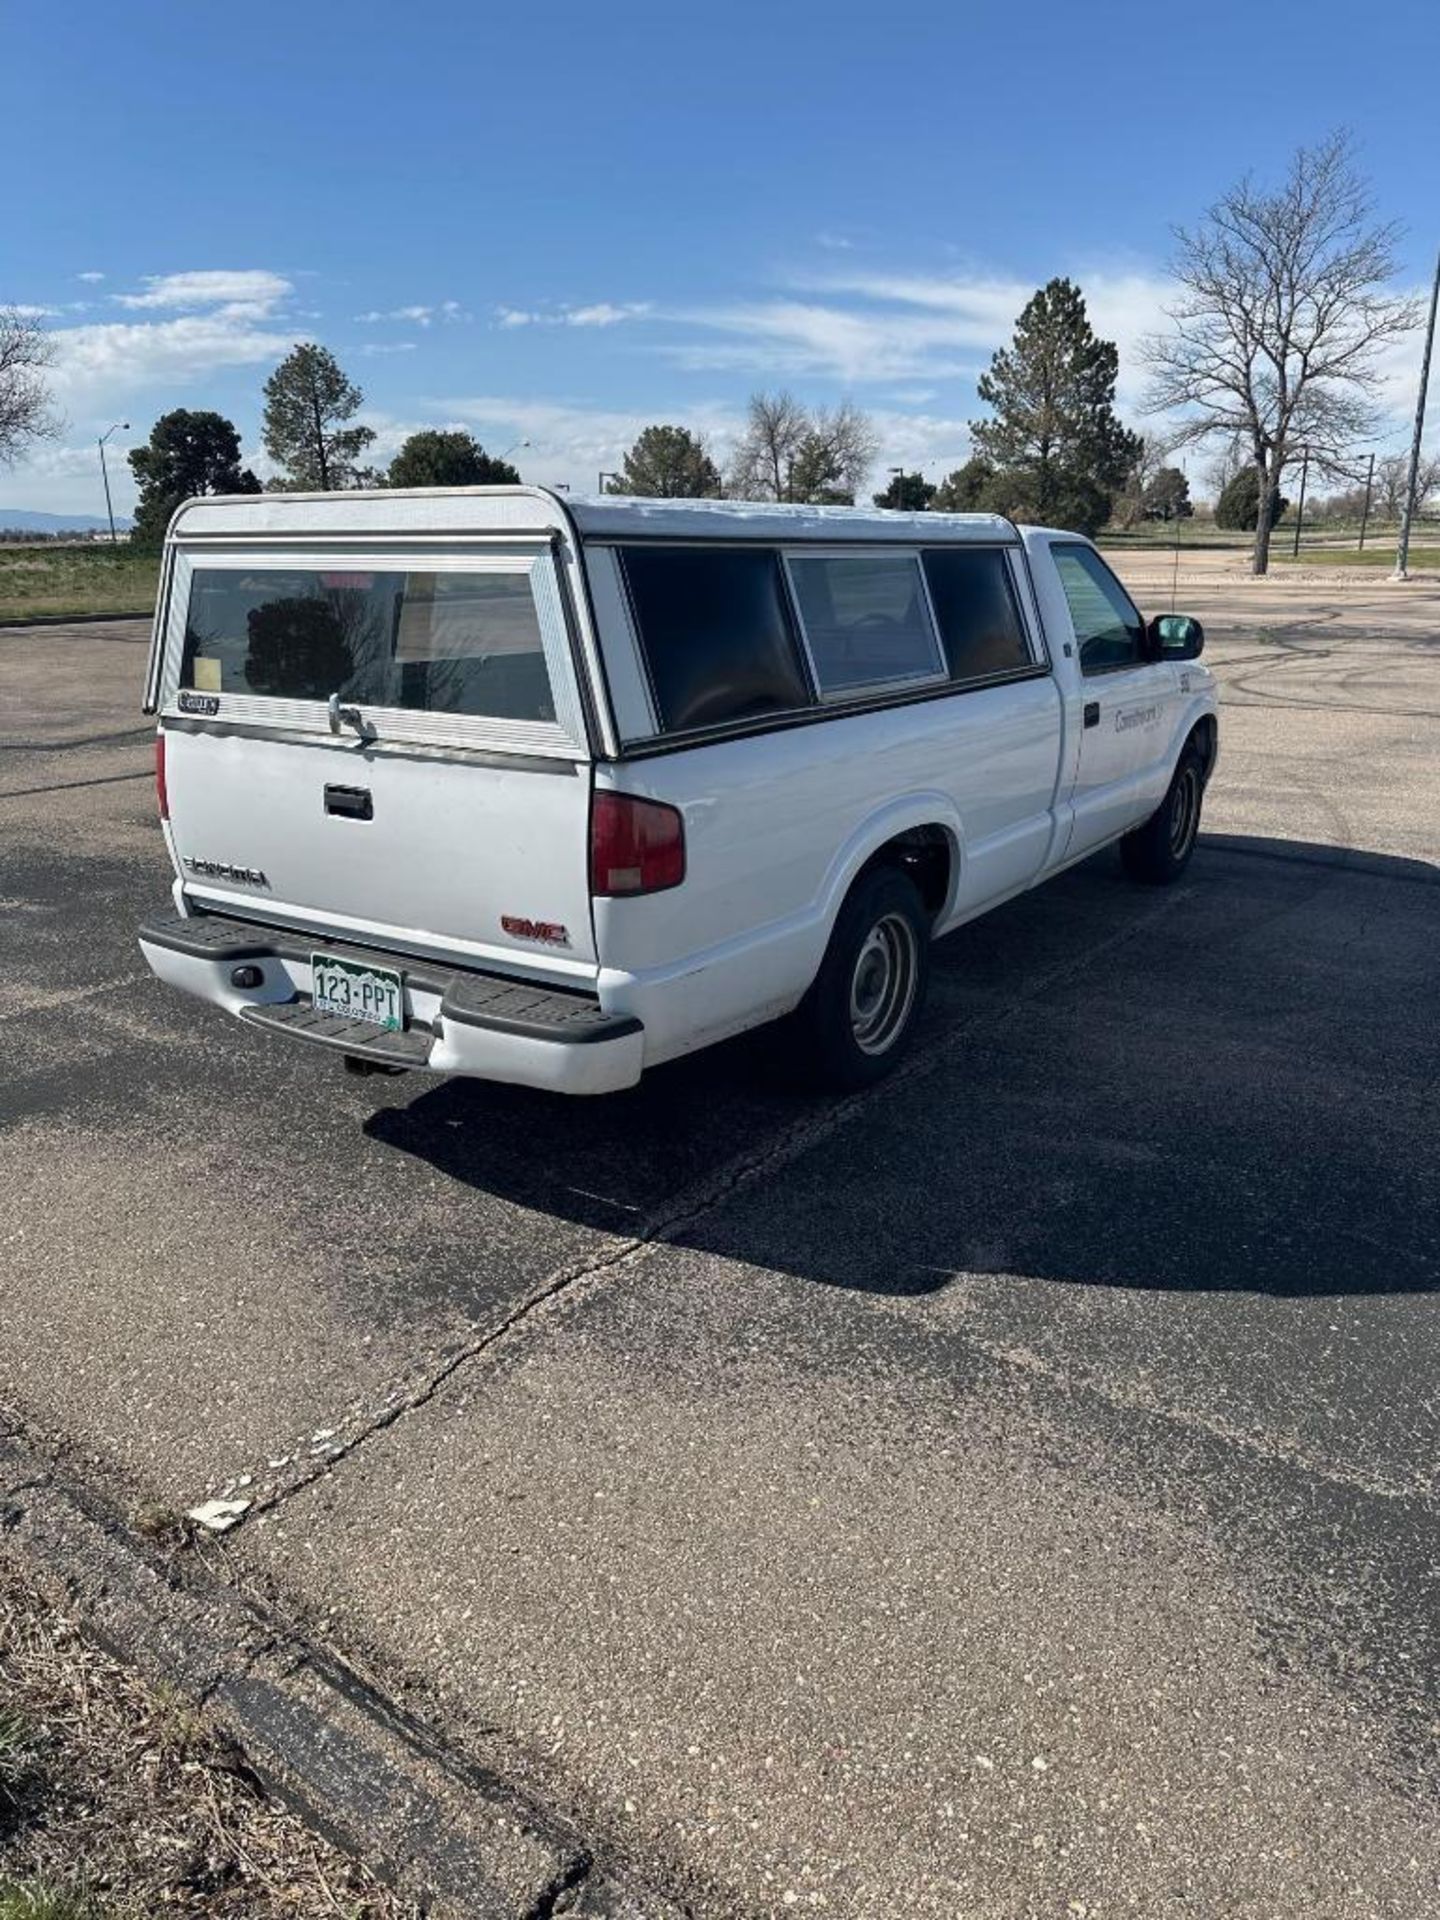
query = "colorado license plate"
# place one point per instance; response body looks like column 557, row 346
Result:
column 351, row 991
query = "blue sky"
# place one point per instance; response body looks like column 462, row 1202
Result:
column 553, row 224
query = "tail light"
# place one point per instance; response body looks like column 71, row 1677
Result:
column 636, row 846
column 162, row 798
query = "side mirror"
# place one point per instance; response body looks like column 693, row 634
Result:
column 1175, row 636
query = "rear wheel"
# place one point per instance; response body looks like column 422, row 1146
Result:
column 1159, row 852
column 858, row 1017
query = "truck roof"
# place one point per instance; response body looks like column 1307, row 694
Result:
column 618, row 516
column 538, row 510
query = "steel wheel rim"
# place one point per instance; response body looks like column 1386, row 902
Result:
column 882, row 984
column 1184, row 812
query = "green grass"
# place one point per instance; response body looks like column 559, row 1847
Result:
column 1205, row 537
column 17, row 1748
column 34, row 1900
column 89, row 577
column 1379, row 556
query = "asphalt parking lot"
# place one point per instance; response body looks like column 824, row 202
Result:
column 1012, row 1492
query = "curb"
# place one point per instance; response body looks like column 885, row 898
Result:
column 72, row 619
column 360, row 1770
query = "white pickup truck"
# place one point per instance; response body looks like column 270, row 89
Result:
column 550, row 790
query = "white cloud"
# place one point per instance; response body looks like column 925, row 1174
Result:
column 416, row 315
column 793, row 339
column 871, row 328
column 372, row 347
column 215, row 320
column 605, row 313
column 32, row 313
column 182, row 292
column 834, row 242
column 91, row 277
column 117, row 359
column 602, row 313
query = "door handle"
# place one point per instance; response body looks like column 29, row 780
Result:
column 1092, row 713
column 350, row 803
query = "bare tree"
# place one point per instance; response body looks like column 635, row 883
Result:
column 25, row 414
column 1152, row 452
column 1226, row 464
column 1286, row 305
column 790, row 452
column 1392, row 477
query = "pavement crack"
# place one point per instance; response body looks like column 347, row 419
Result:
column 699, row 1200
column 557, row 1898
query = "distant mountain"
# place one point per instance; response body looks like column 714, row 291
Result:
column 22, row 520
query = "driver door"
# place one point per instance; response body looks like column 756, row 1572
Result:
column 1126, row 700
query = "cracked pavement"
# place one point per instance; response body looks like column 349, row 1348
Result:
column 1009, row 1493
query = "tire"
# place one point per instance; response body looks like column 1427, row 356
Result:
column 1159, row 852
column 858, row 1017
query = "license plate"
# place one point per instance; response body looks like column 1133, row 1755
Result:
column 351, row 991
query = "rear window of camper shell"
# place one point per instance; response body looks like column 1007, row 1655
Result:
column 456, row 642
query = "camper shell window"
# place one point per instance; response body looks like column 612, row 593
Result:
column 715, row 633
column 456, row 642
column 979, row 617
column 866, row 620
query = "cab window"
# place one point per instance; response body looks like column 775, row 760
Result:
column 1108, row 630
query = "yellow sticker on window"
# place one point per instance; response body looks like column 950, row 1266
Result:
column 205, row 675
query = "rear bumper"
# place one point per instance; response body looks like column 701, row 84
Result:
column 457, row 1021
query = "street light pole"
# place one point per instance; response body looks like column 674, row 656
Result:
column 120, row 426
column 898, row 474
column 1402, row 552
column 606, row 475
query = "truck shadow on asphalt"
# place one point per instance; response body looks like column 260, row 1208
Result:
column 1230, row 1085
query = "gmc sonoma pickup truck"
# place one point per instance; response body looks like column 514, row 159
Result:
column 549, row 790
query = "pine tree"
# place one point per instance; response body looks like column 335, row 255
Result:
column 432, row 458
column 907, row 492
column 668, row 463
column 308, row 399
column 188, row 453
column 967, row 489
column 1059, row 451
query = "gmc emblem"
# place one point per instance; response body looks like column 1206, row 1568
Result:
column 549, row 931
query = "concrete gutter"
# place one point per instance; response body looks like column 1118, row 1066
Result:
column 360, row 1769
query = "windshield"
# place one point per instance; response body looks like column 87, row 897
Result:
column 454, row 642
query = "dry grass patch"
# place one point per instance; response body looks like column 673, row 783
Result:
column 117, row 1802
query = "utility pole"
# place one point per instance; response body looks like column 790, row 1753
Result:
column 120, row 426
column 1365, row 510
column 1300, row 510
column 1407, row 514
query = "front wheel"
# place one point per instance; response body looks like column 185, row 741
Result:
column 1159, row 851
column 858, row 1017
